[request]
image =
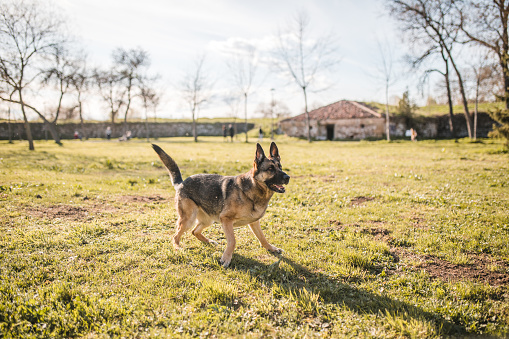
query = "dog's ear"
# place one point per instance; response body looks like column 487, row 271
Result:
column 260, row 154
column 274, row 152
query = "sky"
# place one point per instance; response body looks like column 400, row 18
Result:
column 175, row 33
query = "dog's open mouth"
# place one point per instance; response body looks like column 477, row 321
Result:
column 277, row 188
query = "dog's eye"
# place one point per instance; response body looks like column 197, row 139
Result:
column 272, row 168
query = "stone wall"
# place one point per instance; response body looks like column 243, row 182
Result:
column 138, row 130
column 426, row 127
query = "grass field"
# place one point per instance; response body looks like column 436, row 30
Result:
column 380, row 240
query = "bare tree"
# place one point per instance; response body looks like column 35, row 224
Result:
column 110, row 90
column 433, row 22
column 486, row 23
column 81, row 83
column 243, row 69
column 233, row 102
column 28, row 32
column 417, row 63
column 302, row 58
column 61, row 74
column 150, row 98
column 274, row 110
column 385, row 73
column 482, row 71
column 147, row 95
column 130, row 65
column 195, row 88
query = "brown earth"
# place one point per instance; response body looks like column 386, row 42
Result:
column 88, row 211
column 357, row 201
column 143, row 199
column 68, row 212
column 483, row 268
column 480, row 270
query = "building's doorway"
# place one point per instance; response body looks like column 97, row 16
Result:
column 330, row 132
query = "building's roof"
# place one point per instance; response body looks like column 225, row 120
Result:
column 343, row 109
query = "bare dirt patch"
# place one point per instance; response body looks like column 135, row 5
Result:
column 67, row 212
column 378, row 232
column 480, row 270
column 70, row 212
column 143, row 199
column 357, row 201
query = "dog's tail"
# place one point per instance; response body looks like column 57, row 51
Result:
column 171, row 165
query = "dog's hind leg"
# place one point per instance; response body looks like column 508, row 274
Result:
column 200, row 226
column 257, row 230
column 187, row 211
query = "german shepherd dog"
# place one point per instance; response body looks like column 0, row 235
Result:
column 233, row 201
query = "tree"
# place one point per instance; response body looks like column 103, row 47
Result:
column 130, row 65
column 28, row 33
column 274, row 110
column 417, row 62
column 195, row 87
column 433, row 22
column 110, row 90
column 233, row 102
column 302, row 59
column 149, row 98
column 502, row 131
column 405, row 106
column 482, row 71
column 385, row 72
column 243, row 69
column 81, row 83
column 486, row 23
column 61, row 73
column 146, row 94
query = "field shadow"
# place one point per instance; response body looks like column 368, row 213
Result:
column 331, row 291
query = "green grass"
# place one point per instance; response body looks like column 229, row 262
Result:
column 372, row 233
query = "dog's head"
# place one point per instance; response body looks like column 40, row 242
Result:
column 268, row 170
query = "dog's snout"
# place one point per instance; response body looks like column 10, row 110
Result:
column 286, row 179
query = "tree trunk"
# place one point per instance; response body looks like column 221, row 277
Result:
column 9, row 124
column 53, row 130
column 80, row 108
column 468, row 118
column 308, row 122
column 245, row 114
column 387, row 123
column 146, row 124
column 128, row 104
column 59, row 106
column 27, row 124
column 194, row 125
column 476, row 107
column 505, row 69
column 449, row 97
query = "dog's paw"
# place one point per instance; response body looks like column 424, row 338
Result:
column 213, row 242
column 225, row 261
column 274, row 249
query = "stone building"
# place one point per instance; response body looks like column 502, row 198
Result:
column 340, row 120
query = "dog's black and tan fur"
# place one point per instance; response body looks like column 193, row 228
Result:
column 233, row 201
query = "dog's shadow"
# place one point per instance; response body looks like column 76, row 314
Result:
column 295, row 277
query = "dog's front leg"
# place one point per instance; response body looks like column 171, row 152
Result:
column 257, row 230
column 230, row 242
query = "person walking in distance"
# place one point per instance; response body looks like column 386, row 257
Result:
column 232, row 132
